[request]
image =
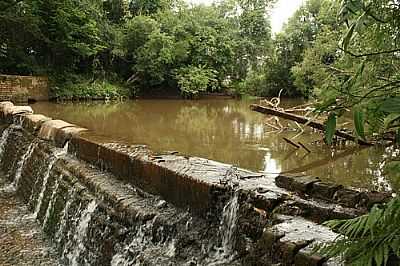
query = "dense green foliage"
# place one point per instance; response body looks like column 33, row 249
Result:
column 371, row 239
column 289, row 47
column 141, row 44
column 362, row 74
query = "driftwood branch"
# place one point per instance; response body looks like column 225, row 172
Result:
column 292, row 143
column 304, row 147
column 305, row 121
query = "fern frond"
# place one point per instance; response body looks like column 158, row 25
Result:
column 370, row 239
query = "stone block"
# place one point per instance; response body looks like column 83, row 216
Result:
column 58, row 131
column 65, row 134
column 49, row 129
column 347, row 197
column 307, row 257
column 368, row 199
column 324, row 190
column 5, row 104
column 3, row 107
column 85, row 149
column 290, row 241
column 9, row 112
column 268, row 239
column 33, row 122
column 300, row 230
column 316, row 211
column 300, row 184
column 288, row 250
column 15, row 110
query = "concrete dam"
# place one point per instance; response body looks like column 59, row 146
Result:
column 99, row 202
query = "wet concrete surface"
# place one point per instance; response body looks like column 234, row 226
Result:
column 21, row 239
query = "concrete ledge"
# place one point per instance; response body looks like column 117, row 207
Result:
column 10, row 112
column 58, row 131
column 290, row 241
column 160, row 175
column 33, row 122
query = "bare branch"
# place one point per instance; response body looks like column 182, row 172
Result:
column 369, row 54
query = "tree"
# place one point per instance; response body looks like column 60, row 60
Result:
column 148, row 7
column 19, row 38
column 366, row 79
column 116, row 10
column 287, row 50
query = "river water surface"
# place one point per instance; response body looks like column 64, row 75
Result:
column 227, row 131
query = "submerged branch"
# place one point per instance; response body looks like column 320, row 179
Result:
column 304, row 120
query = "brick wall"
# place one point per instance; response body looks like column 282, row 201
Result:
column 23, row 88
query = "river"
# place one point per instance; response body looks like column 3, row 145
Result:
column 228, row 131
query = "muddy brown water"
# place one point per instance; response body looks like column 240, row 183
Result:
column 228, row 131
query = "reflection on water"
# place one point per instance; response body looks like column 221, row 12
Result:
column 227, row 131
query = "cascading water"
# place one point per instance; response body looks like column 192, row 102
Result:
column 81, row 234
column 228, row 224
column 227, row 229
column 60, row 234
column 3, row 140
column 128, row 255
column 51, row 202
column 53, row 159
column 143, row 248
column 21, row 163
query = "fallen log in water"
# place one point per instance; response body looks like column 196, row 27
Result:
column 303, row 120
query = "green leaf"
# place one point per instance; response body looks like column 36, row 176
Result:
column 390, row 120
column 391, row 105
column 347, row 37
column 359, row 124
column 330, row 128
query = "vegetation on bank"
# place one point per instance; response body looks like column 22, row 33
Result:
column 161, row 44
column 147, row 44
column 346, row 54
column 76, row 87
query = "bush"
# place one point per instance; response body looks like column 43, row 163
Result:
column 192, row 80
column 74, row 86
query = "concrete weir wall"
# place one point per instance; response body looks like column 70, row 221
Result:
column 23, row 88
column 107, row 203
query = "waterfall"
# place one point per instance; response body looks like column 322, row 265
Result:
column 21, row 163
column 227, row 229
column 140, row 241
column 51, row 202
column 81, row 234
column 3, row 140
column 64, row 217
column 53, row 159
column 228, row 224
